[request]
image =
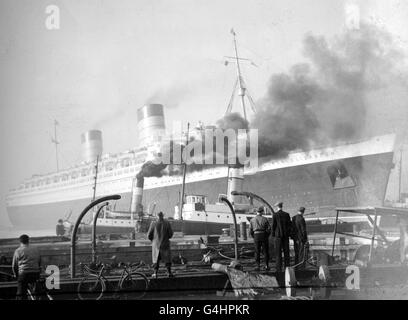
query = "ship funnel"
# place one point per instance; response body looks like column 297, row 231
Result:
column 235, row 183
column 137, row 196
column 91, row 143
column 151, row 126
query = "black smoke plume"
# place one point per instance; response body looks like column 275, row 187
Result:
column 151, row 169
column 232, row 121
column 337, row 95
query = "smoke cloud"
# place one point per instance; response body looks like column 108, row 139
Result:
column 286, row 121
column 336, row 95
column 151, row 169
column 172, row 96
column 232, row 121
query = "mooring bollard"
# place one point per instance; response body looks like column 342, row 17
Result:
column 324, row 277
column 243, row 231
column 290, row 281
column 231, row 231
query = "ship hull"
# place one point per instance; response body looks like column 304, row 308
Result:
column 186, row 227
column 311, row 185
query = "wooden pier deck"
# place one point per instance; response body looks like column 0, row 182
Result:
column 196, row 277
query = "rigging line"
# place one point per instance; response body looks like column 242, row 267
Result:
column 231, row 102
column 252, row 103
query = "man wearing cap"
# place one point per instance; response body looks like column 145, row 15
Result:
column 160, row 233
column 280, row 232
column 259, row 229
column 299, row 236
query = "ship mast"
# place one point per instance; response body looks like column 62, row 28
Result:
column 184, row 177
column 400, row 178
column 95, row 178
column 239, row 83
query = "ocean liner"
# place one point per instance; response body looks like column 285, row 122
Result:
column 347, row 174
column 353, row 174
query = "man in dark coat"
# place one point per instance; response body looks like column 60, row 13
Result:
column 280, row 231
column 299, row 236
column 259, row 229
column 60, row 229
column 160, row 233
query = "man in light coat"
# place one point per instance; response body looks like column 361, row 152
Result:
column 160, row 233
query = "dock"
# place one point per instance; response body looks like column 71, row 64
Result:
column 195, row 278
column 57, row 251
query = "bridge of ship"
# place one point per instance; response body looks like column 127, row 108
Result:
column 199, row 204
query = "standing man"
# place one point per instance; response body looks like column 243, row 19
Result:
column 26, row 266
column 299, row 236
column 259, row 229
column 160, row 233
column 281, row 226
column 60, row 229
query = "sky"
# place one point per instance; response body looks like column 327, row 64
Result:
column 109, row 57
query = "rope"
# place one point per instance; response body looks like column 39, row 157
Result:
column 305, row 259
column 218, row 251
